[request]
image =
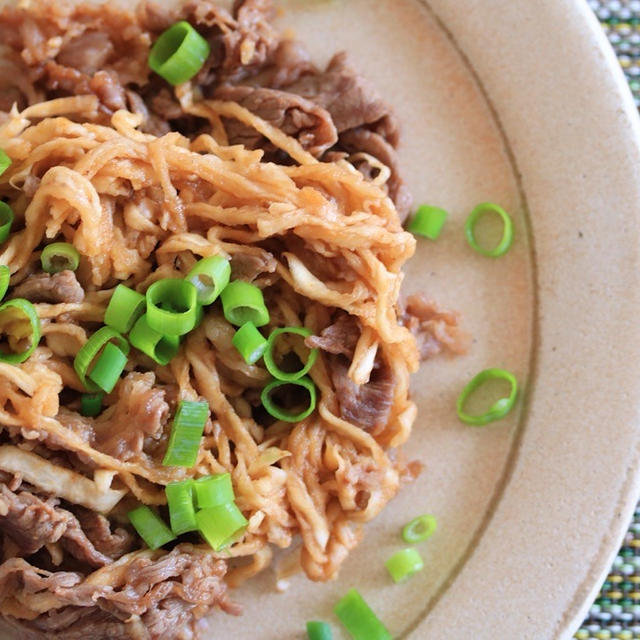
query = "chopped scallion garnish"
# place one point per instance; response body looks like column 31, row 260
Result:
column 162, row 349
column 87, row 355
column 403, row 564
column 358, row 618
column 499, row 409
column 186, row 433
column 419, row 529
column 124, row 308
column 270, row 356
column 507, row 231
column 59, row 256
column 5, row 276
column 172, row 306
column 428, row 221
column 212, row 491
column 249, row 342
column 108, row 367
column 6, row 220
column 178, row 53
column 20, row 324
column 91, row 404
column 150, row 527
column 182, row 513
column 220, row 525
column 210, row 276
column 243, row 302
column 281, row 413
column 319, row 631
column 5, row 161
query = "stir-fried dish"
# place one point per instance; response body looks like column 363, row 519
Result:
column 205, row 356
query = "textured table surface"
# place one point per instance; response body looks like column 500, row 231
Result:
column 616, row 611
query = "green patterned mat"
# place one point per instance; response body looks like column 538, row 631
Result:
column 616, row 611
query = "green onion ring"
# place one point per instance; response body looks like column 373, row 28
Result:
column 319, row 630
column 12, row 312
column 507, row 234
column 87, row 354
column 403, row 564
column 269, row 359
column 124, row 308
column 172, row 306
column 182, row 512
column 186, row 433
column 282, row 414
column 108, row 367
column 249, row 342
column 5, row 276
column 91, row 404
column 499, row 409
column 6, row 220
column 419, row 529
column 5, row 161
column 178, row 53
column 243, row 302
column 59, row 256
column 210, row 276
column 219, row 525
column 212, row 491
column 150, row 527
column 358, row 618
column 428, row 221
column 161, row 349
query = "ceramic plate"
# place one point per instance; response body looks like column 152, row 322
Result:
column 520, row 103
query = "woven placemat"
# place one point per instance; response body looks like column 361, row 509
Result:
column 616, row 611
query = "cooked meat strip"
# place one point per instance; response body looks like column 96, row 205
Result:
column 167, row 591
column 364, row 140
column 367, row 405
column 53, row 288
column 249, row 265
column 433, row 328
column 339, row 338
column 87, row 53
column 297, row 117
column 98, row 529
column 351, row 100
column 32, row 523
column 139, row 414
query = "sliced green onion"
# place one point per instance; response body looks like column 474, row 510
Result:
column 210, row 276
column 280, row 413
column 419, row 529
column 59, row 256
column 172, row 306
column 108, row 367
column 269, row 357
column 124, row 308
column 150, row 527
column 178, row 53
column 5, row 276
column 428, row 221
column 249, row 342
column 219, row 525
column 212, row 491
column 182, row 512
column 20, row 323
column 243, row 302
column 358, row 618
column 6, row 220
column 89, row 352
column 90, row 404
column 319, row 631
column 499, row 409
column 507, row 233
column 403, row 564
column 186, row 432
column 160, row 348
column 5, row 161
